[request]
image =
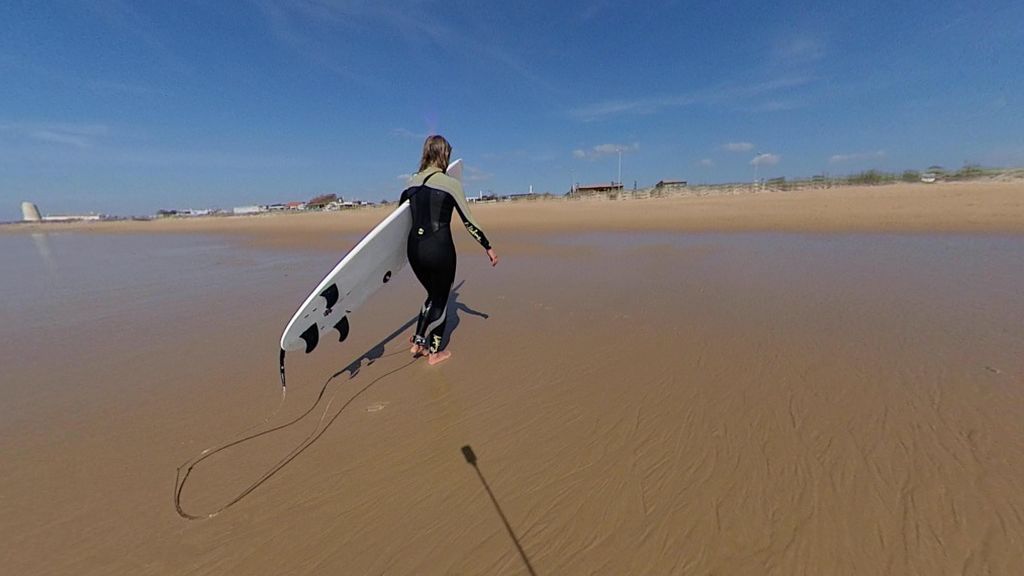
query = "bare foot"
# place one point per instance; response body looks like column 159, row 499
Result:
column 438, row 357
column 417, row 350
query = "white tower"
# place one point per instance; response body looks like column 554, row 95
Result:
column 29, row 212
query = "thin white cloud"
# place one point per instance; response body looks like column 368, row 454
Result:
column 81, row 136
column 191, row 158
column 766, row 159
column 122, row 88
column 409, row 134
column 738, row 146
column 101, row 87
column 313, row 28
column 594, row 9
column 603, row 150
column 797, row 50
column 100, row 145
column 638, row 106
column 722, row 93
column 126, row 18
column 706, row 162
column 474, row 174
column 516, row 155
column 781, row 83
column 60, row 138
column 296, row 25
column 856, row 157
column 779, row 105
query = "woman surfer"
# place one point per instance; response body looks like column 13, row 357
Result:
column 433, row 196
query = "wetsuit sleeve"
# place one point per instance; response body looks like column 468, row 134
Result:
column 467, row 219
column 474, row 231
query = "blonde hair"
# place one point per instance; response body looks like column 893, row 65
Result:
column 436, row 153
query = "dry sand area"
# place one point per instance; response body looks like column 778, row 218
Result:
column 825, row 382
column 947, row 207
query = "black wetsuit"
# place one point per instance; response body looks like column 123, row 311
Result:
column 431, row 249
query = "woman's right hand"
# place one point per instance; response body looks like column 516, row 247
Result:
column 493, row 256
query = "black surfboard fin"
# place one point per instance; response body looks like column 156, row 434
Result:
column 331, row 295
column 342, row 328
column 312, row 337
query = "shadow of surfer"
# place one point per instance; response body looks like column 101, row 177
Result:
column 375, row 352
column 370, row 356
column 452, row 312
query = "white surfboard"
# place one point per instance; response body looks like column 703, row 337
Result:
column 455, row 170
column 367, row 267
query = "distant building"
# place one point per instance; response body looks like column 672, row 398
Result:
column 597, row 189
column 671, row 184
column 340, row 204
column 296, row 205
column 321, row 202
column 29, row 212
column 247, row 210
column 523, row 196
column 73, row 218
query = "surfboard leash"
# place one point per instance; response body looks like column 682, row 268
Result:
column 181, row 478
column 283, row 385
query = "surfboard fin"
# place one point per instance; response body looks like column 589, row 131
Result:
column 312, row 337
column 331, row 295
column 342, row 328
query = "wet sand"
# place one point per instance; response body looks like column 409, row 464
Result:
column 652, row 399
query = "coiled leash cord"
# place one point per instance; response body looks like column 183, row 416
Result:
column 182, row 477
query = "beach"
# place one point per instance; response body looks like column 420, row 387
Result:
column 988, row 206
column 813, row 382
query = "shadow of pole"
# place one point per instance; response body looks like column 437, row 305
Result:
column 467, row 451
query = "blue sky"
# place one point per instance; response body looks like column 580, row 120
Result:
column 127, row 107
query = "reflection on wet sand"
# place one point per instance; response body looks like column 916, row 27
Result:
column 43, row 248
